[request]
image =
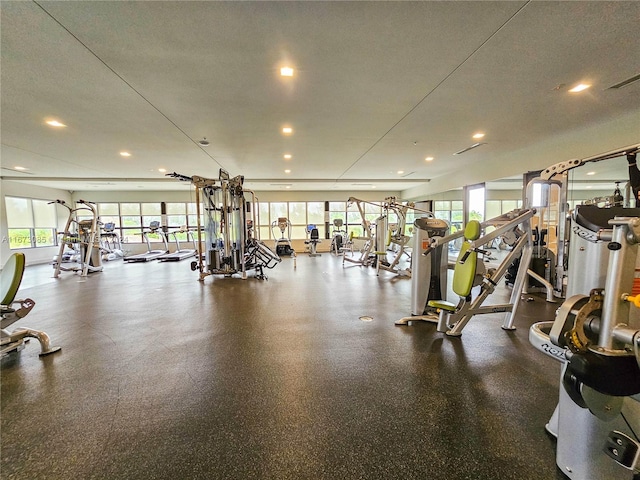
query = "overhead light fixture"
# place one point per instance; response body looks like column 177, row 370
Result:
column 287, row 156
column 579, row 88
column 19, row 168
column 429, row 159
column 125, row 154
column 287, row 171
column 162, row 170
column 373, row 186
column 478, row 135
column 400, row 172
column 591, row 173
column 286, row 72
column 287, row 130
column 288, row 186
column 55, row 123
column 204, row 142
column 588, row 186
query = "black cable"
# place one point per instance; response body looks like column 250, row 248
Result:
column 634, row 177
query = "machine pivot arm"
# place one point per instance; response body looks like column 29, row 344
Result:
column 561, row 167
column 505, row 226
column 182, row 178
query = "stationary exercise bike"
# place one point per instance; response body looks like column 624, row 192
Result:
column 313, row 241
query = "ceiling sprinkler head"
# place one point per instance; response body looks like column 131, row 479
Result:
column 204, row 142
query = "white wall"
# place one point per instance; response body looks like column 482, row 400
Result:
column 16, row 189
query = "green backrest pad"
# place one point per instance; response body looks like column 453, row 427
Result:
column 10, row 278
column 472, row 230
column 464, row 273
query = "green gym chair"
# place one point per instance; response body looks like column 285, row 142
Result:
column 13, row 310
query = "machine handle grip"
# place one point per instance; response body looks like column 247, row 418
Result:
column 635, row 300
column 465, row 256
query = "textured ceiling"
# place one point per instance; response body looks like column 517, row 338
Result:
column 378, row 86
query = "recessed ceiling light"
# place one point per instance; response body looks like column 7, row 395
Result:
column 400, row 172
column 579, row 88
column 162, row 170
column 55, row 123
column 17, row 167
column 588, row 186
column 478, row 135
column 287, row 130
column 286, row 72
column 125, row 154
column 373, row 186
column 591, row 173
column 287, row 171
column 287, row 156
column 288, row 186
column 428, row 159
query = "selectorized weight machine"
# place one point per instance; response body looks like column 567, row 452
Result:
column 376, row 241
column 596, row 338
column 469, row 272
column 364, row 256
column 231, row 244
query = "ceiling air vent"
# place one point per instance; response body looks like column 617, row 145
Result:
column 464, row 150
column 624, row 83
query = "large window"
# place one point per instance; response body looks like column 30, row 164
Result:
column 31, row 223
column 451, row 211
column 495, row 208
column 132, row 219
column 337, row 211
column 315, row 216
column 301, row 214
column 131, row 222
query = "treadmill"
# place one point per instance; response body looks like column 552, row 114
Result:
column 154, row 227
column 180, row 253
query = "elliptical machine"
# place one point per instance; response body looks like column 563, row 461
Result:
column 81, row 234
column 283, row 244
column 337, row 236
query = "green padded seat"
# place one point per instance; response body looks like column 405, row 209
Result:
column 10, row 277
column 443, row 305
